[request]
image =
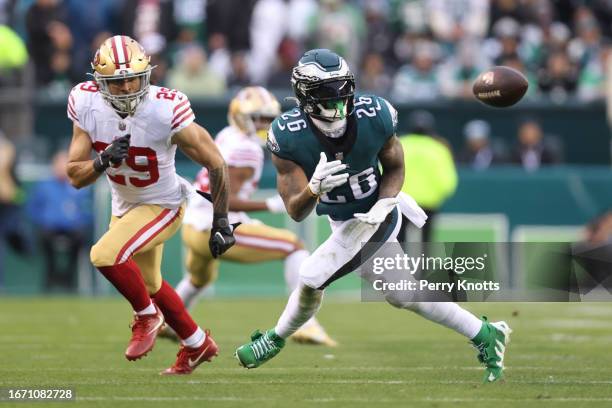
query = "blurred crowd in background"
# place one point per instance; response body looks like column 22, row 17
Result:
column 408, row 50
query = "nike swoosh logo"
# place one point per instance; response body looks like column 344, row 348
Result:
column 281, row 126
column 218, row 234
column 193, row 363
column 156, row 327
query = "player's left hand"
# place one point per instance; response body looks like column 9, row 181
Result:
column 378, row 212
column 221, row 236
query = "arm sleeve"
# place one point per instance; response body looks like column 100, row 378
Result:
column 276, row 143
column 182, row 115
column 390, row 119
column 72, row 110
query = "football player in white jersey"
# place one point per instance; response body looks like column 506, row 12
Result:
column 241, row 143
column 135, row 129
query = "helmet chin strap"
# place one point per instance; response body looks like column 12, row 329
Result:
column 333, row 129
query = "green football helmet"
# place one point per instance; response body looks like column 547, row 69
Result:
column 324, row 85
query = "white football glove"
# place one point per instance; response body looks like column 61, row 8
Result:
column 275, row 204
column 378, row 212
column 412, row 211
column 323, row 179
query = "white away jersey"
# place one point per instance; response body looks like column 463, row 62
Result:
column 147, row 175
column 238, row 150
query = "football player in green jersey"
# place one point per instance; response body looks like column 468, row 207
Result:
column 328, row 152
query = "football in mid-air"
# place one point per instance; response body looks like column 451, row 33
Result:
column 500, row 86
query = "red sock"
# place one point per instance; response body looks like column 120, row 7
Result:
column 174, row 311
column 127, row 279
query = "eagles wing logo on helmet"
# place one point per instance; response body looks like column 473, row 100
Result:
column 121, row 58
column 309, row 72
column 96, row 60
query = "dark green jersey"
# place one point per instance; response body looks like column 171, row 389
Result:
column 294, row 137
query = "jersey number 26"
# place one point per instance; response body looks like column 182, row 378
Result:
column 363, row 184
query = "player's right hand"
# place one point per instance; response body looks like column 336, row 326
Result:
column 323, row 179
column 113, row 154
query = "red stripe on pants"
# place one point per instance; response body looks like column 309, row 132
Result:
column 140, row 232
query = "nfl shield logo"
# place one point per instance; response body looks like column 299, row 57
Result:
column 122, row 126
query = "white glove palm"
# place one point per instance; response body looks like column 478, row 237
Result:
column 378, row 212
column 276, row 204
column 323, row 179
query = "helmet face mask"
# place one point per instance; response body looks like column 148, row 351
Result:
column 324, row 86
column 124, row 103
column 121, row 59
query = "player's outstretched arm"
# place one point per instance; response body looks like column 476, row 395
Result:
column 198, row 145
column 391, row 158
column 80, row 168
column 292, row 185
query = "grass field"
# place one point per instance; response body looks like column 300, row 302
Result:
column 559, row 357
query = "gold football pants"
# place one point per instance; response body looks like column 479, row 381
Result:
column 254, row 243
column 140, row 233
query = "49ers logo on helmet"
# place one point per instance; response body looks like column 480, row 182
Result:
column 96, row 60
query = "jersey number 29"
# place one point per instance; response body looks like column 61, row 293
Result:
column 150, row 167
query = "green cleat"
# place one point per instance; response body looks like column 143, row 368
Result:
column 491, row 342
column 261, row 349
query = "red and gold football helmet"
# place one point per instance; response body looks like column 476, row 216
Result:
column 252, row 110
column 118, row 58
